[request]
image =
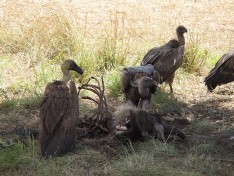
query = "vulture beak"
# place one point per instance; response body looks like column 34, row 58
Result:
column 76, row 68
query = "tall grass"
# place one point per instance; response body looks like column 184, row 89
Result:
column 38, row 36
column 195, row 58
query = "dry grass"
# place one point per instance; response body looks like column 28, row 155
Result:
column 33, row 32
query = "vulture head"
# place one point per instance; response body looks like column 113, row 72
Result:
column 68, row 65
column 181, row 30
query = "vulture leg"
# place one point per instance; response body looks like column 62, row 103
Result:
column 171, row 89
column 170, row 80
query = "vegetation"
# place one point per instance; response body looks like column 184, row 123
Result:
column 103, row 38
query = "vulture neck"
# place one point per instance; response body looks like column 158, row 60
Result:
column 66, row 76
column 181, row 39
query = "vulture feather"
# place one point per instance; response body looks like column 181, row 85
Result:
column 146, row 87
column 222, row 73
column 59, row 113
column 168, row 58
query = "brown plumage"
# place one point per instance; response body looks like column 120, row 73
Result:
column 222, row 73
column 135, row 124
column 59, row 113
column 167, row 58
column 130, row 79
column 146, row 87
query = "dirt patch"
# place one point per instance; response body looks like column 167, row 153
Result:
column 217, row 105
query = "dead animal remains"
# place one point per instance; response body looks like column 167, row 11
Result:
column 59, row 113
column 95, row 123
column 167, row 58
column 135, row 124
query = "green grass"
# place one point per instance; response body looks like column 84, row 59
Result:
column 143, row 158
column 166, row 103
column 155, row 158
column 195, row 58
column 204, row 126
column 26, row 103
column 17, row 156
column 112, row 83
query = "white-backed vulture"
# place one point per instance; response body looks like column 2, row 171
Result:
column 130, row 79
column 59, row 113
column 167, row 58
column 222, row 73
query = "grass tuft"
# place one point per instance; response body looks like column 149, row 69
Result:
column 166, row 103
column 112, row 82
column 195, row 58
column 16, row 156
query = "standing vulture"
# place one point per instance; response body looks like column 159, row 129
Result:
column 223, row 72
column 59, row 113
column 168, row 58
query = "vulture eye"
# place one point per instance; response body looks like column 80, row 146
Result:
column 67, row 63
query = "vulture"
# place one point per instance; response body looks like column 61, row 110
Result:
column 58, row 114
column 222, row 73
column 168, row 58
column 131, row 82
column 146, row 87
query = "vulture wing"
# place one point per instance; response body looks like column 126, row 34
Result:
column 223, row 72
column 169, row 62
column 54, row 106
column 154, row 54
column 59, row 117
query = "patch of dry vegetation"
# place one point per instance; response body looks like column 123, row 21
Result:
column 105, row 31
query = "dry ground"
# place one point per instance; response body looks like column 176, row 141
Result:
column 217, row 105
